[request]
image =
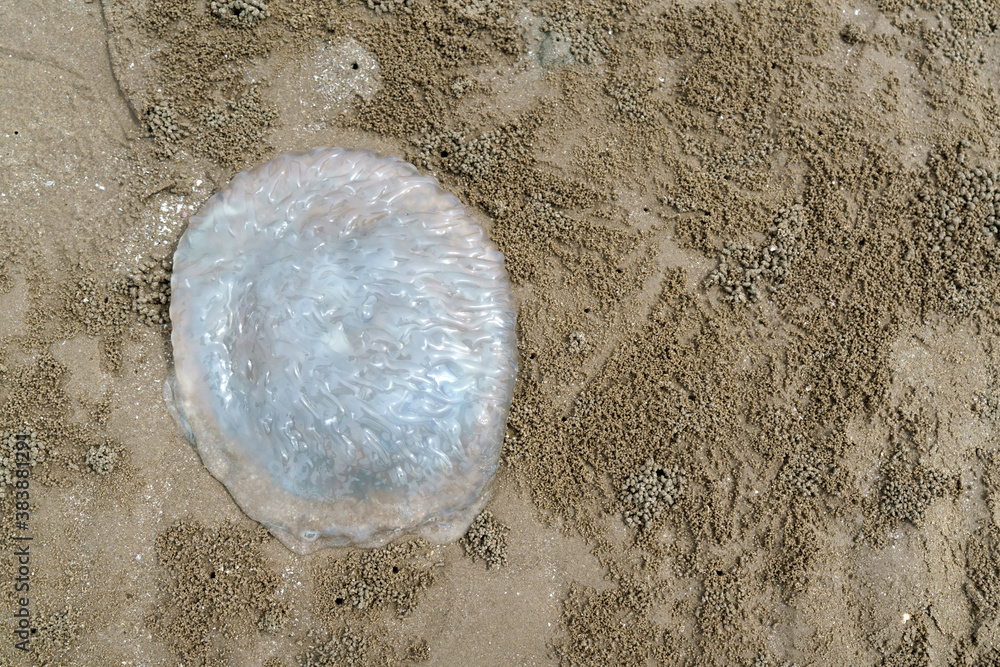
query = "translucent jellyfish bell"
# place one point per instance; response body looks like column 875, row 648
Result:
column 344, row 351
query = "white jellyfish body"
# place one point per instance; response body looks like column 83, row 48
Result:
column 344, row 349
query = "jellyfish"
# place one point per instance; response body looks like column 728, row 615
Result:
column 344, row 350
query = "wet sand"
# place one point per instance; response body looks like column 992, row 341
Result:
column 755, row 254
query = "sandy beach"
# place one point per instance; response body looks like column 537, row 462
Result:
column 755, row 253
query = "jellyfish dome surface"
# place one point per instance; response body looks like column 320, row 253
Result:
column 344, row 349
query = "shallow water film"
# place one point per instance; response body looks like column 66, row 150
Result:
column 344, row 348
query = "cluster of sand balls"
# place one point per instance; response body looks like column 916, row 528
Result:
column 908, row 490
column 977, row 199
column 389, row 6
column 102, row 459
column 958, row 37
column 150, row 291
column 958, row 221
column 471, row 157
column 165, row 127
column 852, row 33
column 955, row 46
column 570, row 29
column 487, row 541
column 578, row 343
column 802, row 476
column 242, row 12
column 650, row 490
column 970, row 203
column 744, row 268
column 374, row 581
